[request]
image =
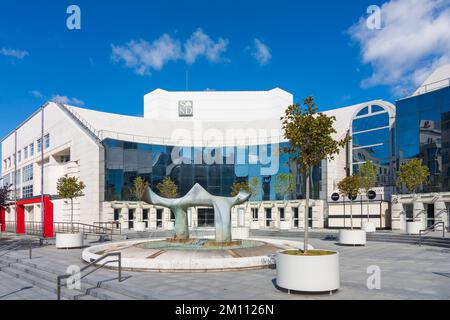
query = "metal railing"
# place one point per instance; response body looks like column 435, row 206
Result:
column 431, row 228
column 114, row 225
column 7, row 249
column 97, row 267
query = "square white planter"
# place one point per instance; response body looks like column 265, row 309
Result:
column 414, row 227
column 139, row 226
column 352, row 237
column 69, row 240
column 254, row 225
column 285, row 225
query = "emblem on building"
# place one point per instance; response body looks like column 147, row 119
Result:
column 185, row 108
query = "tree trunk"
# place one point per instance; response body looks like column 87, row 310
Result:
column 305, row 244
column 351, row 213
column 71, row 215
column 368, row 206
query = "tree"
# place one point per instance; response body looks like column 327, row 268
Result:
column 168, row 188
column 350, row 187
column 238, row 186
column 368, row 179
column 310, row 136
column 5, row 192
column 413, row 174
column 284, row 185
column 70, row 188
column 139, row 187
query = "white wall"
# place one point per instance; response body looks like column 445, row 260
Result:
column 218, row 105
column 86, row 160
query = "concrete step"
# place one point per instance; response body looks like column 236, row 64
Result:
column 88, row 288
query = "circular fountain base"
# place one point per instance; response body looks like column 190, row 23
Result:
column 196, row 255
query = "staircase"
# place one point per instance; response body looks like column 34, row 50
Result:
column 42, row 274
column 379, row 236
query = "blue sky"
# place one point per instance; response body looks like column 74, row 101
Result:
column 304, row 47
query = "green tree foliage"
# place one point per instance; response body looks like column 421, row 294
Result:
column 368, row 180
column 310, row 136
column 251, row 186
column 168, row 188
column 349, row 187
column 413, row 174
column 5, row 193
column 139, row 187
column 70, row 188
column 284, row 185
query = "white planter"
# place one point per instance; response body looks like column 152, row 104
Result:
column 414, row 227
column 285, row 225
column 240, row 233
column 254, row 225
column 352, row 237
column 369, row 226
column 139, row 226
column 69, row 240
column 170, row 225
column 308, row 273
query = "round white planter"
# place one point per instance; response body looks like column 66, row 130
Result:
column 308, row 273
column 414, row 227
column 369, row 226
column 254, row 225
column 170, row 225
column 352, row 237
column 69, row 240
column 285, row 225
column 139, row 226
column 240, row 233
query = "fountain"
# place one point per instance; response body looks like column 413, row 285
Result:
column 185, row 254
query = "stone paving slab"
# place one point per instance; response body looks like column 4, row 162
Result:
column 407, row 272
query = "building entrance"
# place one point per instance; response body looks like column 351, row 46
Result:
column 205, row 217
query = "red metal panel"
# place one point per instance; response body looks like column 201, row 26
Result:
column 48, row 218
column 20, row 219
column 2, row 219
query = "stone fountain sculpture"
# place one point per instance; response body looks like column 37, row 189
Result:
column 198, row 196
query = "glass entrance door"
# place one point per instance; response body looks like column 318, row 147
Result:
column 430, row 214
column 205, row 217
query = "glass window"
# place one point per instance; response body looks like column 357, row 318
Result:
column 367, row 123
column 47, row 141
column 19, row 156
column 281, row 213
column 27, row 173
column 371, row 137
column 39, row 144
column 31, row 149
column 27, row 191
column 25, row 153
column 372, row 153
column 376, row 108
column 255, row 214
column 363, row 112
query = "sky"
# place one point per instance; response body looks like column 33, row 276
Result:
column 126, row 49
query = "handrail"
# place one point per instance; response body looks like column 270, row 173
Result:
column 93, row 263
column 430, row 228
column 113, row 225
column 17, row 244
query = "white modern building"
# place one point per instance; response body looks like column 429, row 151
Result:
column 212, row 138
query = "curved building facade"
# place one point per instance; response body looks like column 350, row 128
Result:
column 212, row 138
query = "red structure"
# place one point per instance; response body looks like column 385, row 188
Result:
column 2, row 219
column 48, row 215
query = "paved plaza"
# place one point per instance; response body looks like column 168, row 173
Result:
column 407, row 272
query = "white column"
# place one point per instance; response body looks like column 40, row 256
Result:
column 440, row 213
column 398, row 217
column 419, row 213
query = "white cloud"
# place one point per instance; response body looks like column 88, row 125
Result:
column 414, row 40
column 14, row 53
column 143, row 56
column 37, row 94
column 67, row 100
column 261, row 52
column 200, row 44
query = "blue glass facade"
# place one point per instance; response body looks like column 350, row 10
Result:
column 371, row 140
column 423, row 131
column 127, row 160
